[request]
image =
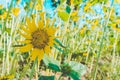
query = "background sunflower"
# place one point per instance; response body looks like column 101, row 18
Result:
column 38, row 38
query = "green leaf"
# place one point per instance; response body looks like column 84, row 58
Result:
column 63, row 15
column 46, row 78
column 47, row 60
column 0, row 26
column 68, row 9
column 58, row 48
column 51, row 63
column 74, row 75
column 54, row 67
column 78, row 67
column 59, row 42
column 1, row 11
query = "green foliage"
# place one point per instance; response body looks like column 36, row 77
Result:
column 46, row 78
column 74, row 75
column 33, row 68
column 58, row 48
column 59, row 42
column 68, row 9
column 63, row 15
column 101, row 43
column 72, row 69
column 78, row 67
column 1, row 11
column 48, row 61
column 54, row 67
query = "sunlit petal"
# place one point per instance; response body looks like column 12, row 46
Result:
column 47, row 49
column 36, row 53
column 26, row 48
column 25, row 35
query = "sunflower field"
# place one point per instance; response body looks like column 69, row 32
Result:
column 59, row 39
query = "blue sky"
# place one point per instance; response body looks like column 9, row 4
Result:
column 49, row 8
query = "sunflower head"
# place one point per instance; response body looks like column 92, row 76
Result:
column 39, row 38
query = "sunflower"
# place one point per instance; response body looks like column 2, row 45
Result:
column 7, row 77
column 15, row 11
column 38, row 38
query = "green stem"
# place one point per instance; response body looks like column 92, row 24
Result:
column 101, row 45
column 60, row 77
column 24, row 71
column 4, row 28
column 33, row 68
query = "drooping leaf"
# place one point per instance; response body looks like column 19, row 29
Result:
column 51, row 63
column 54, row 67
column 74, row 75
column 48, row 60
column 67, row 70
column 59, row 42
column 58, row 48
column 78, row 67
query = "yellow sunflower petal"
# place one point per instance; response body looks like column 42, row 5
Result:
column 40, row 24
column 47, row 22
column 15, row 11
column 26, row 48
column 40, row 57
column 74, row 13
column 24, row 41
column 25, row 35
column 47, row 49
column 51, row 31
column 51, row 41
column 118, row 21
column 25, row 30
column 118, row 29
column 36, row 53
column 31, row 25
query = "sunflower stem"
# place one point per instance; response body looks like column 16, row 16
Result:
column 60, row 76
column 4, row 28
column 33, row 68
column 114, row 50
column 101, row 44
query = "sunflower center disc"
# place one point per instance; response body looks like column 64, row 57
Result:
column 40, row 39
